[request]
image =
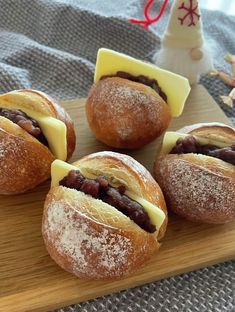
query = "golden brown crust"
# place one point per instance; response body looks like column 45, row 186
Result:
column 29, row 99
column 25, row 162
column 44, row 104
column 198, row 187
column 123, row 169
column 89, row 248
column 92, row 239
column 126, row 114
column 214, row 130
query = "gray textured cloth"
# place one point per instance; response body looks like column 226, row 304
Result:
column 206, row 290
column 51, row 46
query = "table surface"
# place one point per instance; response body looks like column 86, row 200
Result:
column 31, row 281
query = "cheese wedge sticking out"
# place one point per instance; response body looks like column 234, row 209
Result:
column 170, row 138
column 176, row 87
column 60, row 169
column 156, row 215
column 54, row 130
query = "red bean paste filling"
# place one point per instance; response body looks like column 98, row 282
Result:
column 25, row 122
column 100, row 189
column 190, row 144
column 152, row 83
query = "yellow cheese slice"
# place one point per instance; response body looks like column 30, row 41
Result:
column 156, row 215
column 170, row 138
column 54, row 130
column 176, row 87
column 60, row 169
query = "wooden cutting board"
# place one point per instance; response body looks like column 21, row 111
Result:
column 31, row 281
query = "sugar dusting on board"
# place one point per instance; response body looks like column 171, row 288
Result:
column 78, row 240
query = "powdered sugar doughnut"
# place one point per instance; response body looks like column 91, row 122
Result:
column 29, row 142
column 199, row 187
column 91, row 238
column 126, row 114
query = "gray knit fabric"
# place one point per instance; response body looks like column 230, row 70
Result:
column 206, row 290
column 51, row 45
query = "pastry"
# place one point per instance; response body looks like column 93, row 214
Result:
column 132, row 102
column 34, row 130
column 104, row 216
column 196, row 171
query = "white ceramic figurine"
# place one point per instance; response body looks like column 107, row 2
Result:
column 183, row 48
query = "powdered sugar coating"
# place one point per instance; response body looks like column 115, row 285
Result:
column 4, row 145
column 92, row 239
column 80, row 242
column 9, row 149
column 23, row 164
column 195, row 192
column 125, row 114
column 123, row 99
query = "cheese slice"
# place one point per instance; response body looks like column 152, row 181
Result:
column 170, row 138
column 60, row 169
column 176, row 87
column 156, row 215
column 54, row 130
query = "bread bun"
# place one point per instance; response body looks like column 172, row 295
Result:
column 91, row 238
column 198, row 187
column 25, row 161
column 126, row 114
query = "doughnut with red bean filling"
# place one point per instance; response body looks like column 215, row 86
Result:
column 132, row 102
column 196, row 171
column 34, row 130
column 104, row 216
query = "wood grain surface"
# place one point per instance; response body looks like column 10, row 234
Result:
column 31, row 281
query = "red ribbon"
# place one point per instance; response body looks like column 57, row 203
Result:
column 148, row 20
